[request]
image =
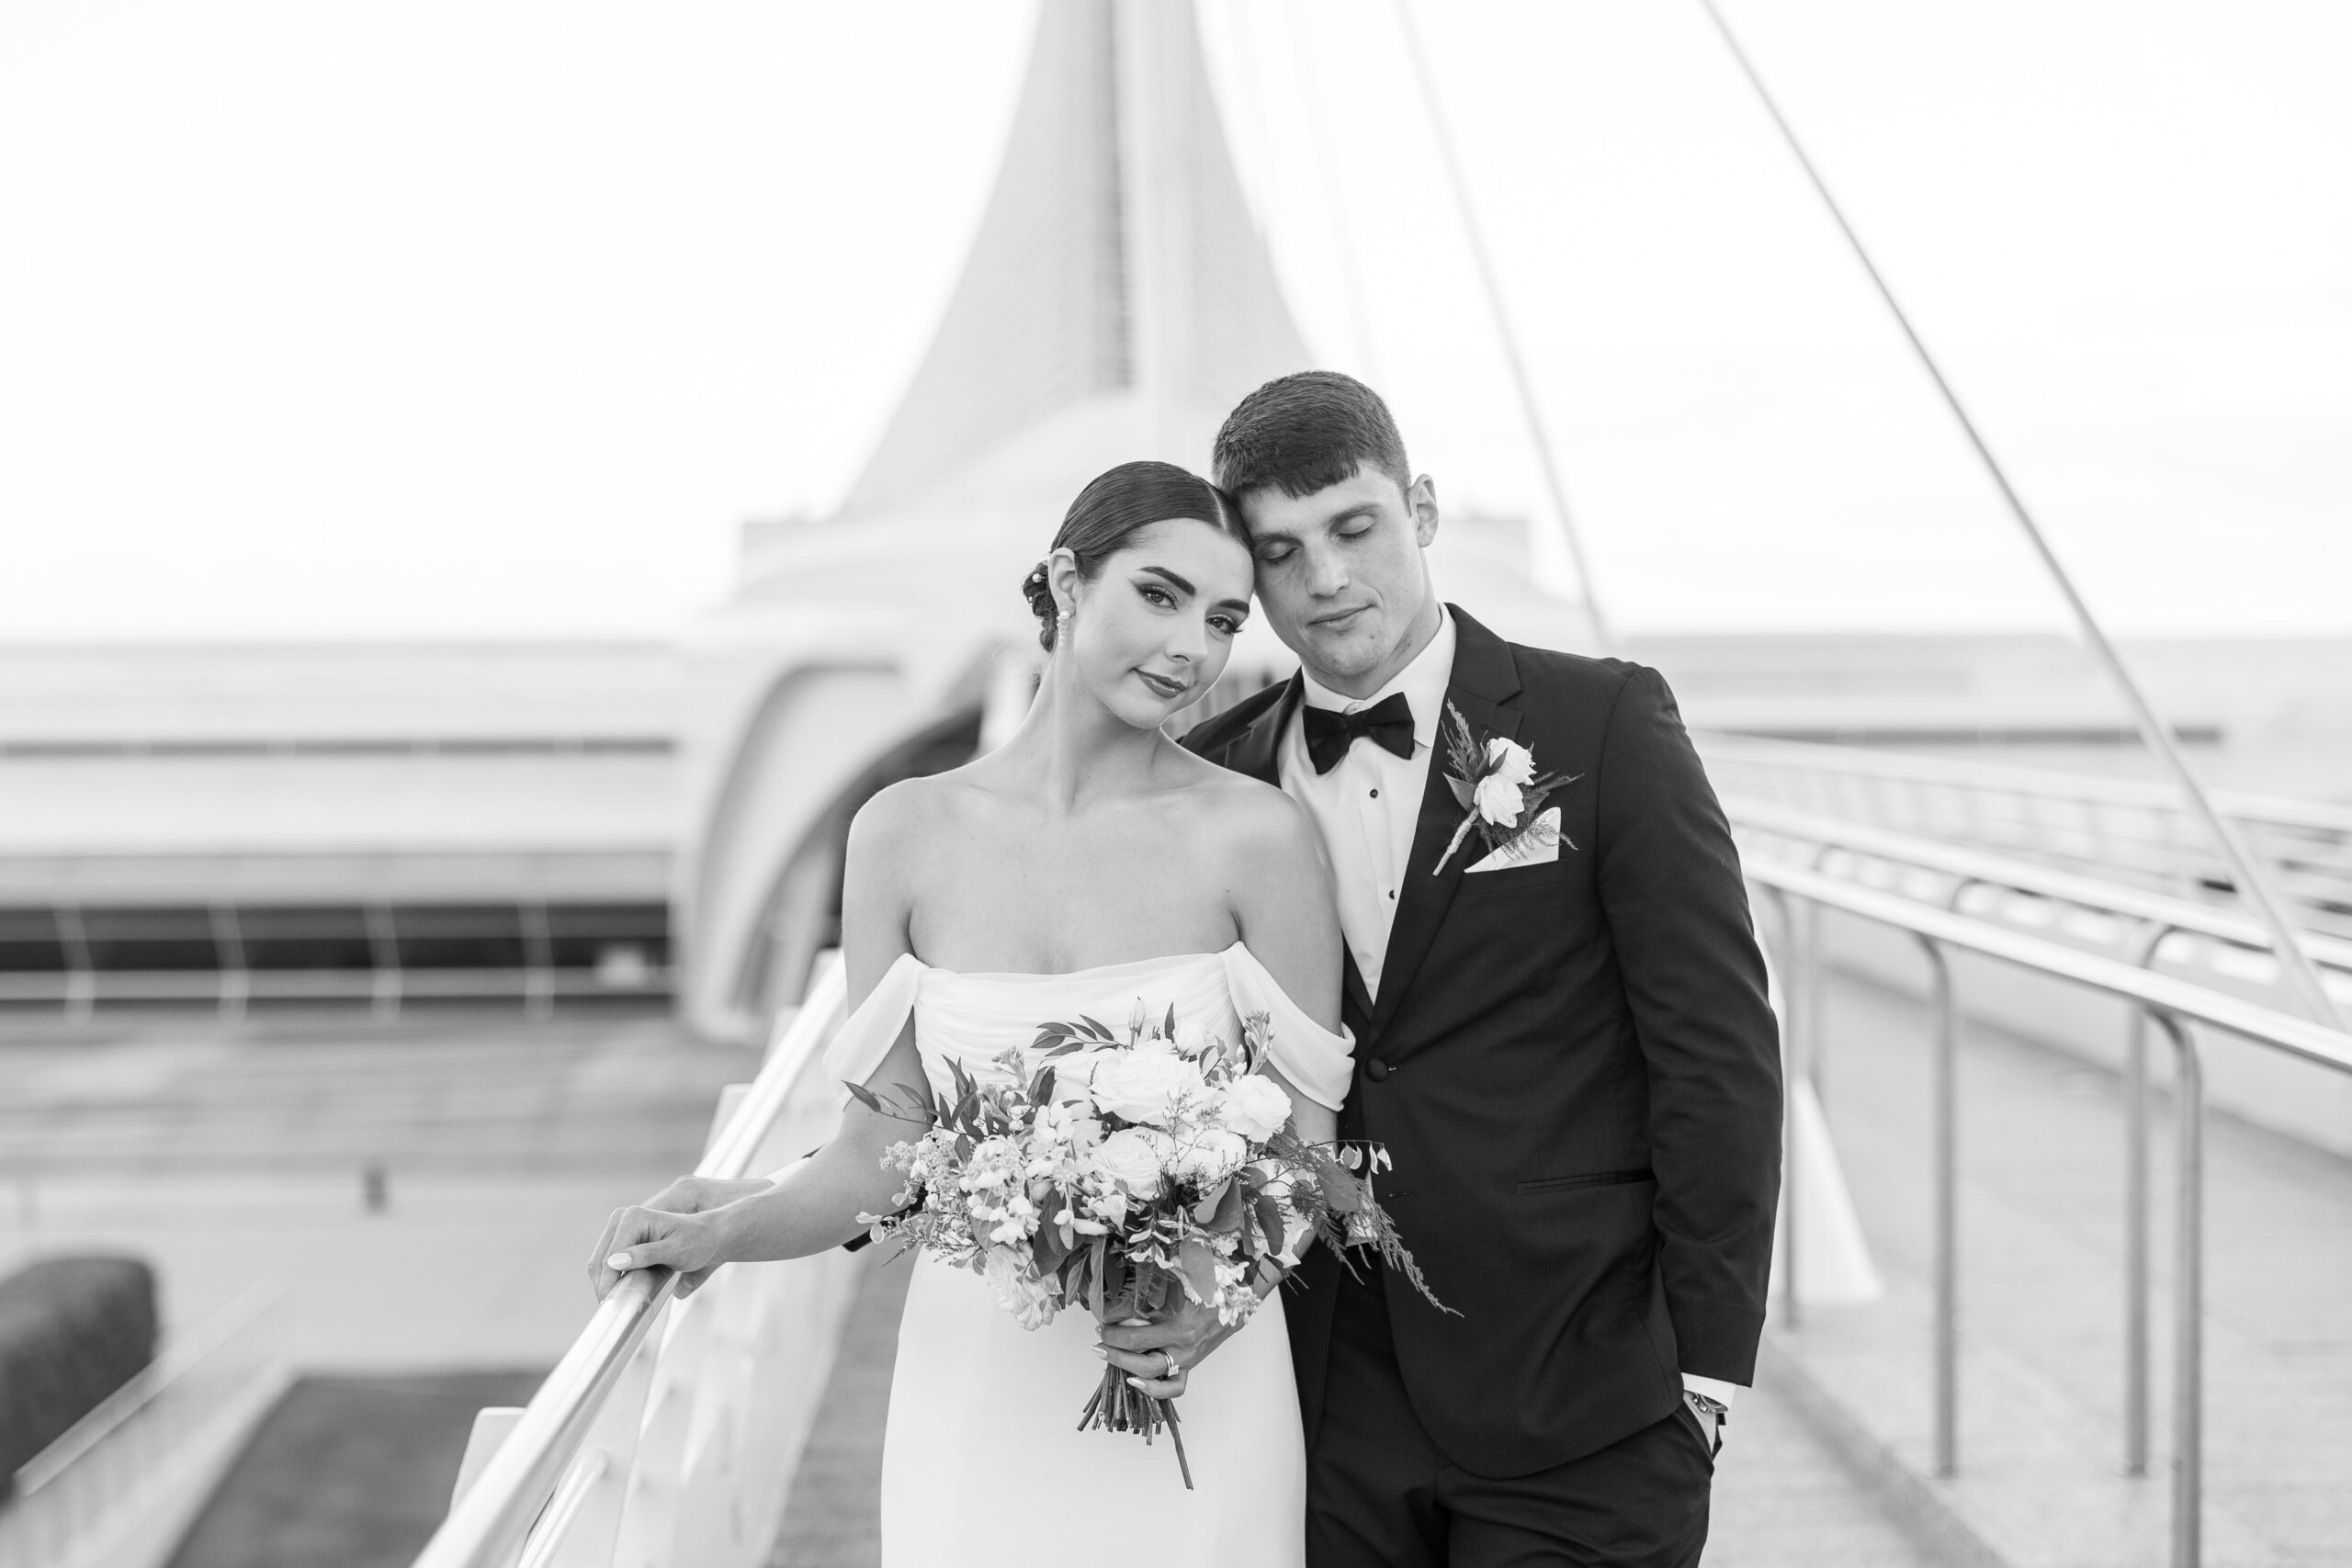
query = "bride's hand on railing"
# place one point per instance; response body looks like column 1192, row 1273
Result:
column 667, row 1231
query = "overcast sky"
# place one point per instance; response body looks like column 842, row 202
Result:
column 473, row 318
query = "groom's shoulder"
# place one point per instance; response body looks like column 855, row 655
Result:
column 1549, row 675
column 1213, row 735
column 1592, row 695
column 1556, row 675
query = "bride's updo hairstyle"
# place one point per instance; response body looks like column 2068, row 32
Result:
column 1109, row 512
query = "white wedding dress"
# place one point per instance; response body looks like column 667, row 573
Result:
column 982, row 1463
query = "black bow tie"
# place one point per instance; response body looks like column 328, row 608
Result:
column 1388, row 722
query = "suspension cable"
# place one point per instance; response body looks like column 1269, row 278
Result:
column 1335, row 202
column 2302, row 978
column 1538, row 433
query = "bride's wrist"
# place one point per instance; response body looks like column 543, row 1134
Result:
column 729, row 1225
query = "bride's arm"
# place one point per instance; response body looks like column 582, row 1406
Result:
column 816, row 1207
column 1286, row 907
column 1287, row 912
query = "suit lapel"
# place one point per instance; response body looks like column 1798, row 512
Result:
column 1359, row 1000
column 1485, row 678
column 1258, row 749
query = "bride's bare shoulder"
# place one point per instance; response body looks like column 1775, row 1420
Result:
column 898, row 822
column 1254, row 820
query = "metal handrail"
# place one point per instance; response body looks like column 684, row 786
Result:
column 1982, row 868
column 2158, row 992
column 2264, row 810
column 491, row 1522
column 2172, row 1004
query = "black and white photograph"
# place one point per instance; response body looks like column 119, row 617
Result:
column 1187, row 783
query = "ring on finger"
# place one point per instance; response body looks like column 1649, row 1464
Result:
column 1174, row 1366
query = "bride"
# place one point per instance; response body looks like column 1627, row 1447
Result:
column 1088, row 863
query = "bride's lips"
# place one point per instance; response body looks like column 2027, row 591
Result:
column 1162, row 684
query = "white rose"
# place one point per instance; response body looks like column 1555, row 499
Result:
column 1072, row 1074
column 1256, row 1108
column 1512, row 762
column 1208, row 1157
column 1141, row 1085
column 1500, row 801
column 1133, row 1156
column 1500, row 798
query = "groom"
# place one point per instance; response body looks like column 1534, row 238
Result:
column 1563, row 1042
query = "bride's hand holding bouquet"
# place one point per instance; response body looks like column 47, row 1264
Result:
column 1148, row 1174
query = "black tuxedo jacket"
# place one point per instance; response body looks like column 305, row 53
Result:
column 1575, row 1069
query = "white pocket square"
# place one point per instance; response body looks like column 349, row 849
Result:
column 1540, row 845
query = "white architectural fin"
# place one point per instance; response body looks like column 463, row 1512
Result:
column 1117, row 256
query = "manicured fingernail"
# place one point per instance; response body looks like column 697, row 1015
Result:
column 618, row 1260
column 1102, row 1351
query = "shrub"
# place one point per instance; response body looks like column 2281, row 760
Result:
column 73, row 1330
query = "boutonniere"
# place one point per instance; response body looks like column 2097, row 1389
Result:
column 1502, row 794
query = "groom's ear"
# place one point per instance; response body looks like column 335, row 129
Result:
column 1421, row 501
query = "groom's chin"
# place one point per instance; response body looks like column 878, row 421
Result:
column 1346, row 654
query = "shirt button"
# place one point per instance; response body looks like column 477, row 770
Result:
column 1375, row 795
column 1392, row 895
column 1376, row 1070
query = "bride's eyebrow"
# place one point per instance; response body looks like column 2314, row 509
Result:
column 1173, row 580
column 1182, row 586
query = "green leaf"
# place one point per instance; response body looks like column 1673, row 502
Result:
column 1199, row 1271
column 1340, row 1189
column 866, row 1097
column 1269, row 1222
column 1047, row 1245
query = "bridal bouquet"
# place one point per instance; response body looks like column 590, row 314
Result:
column 1130, row 1170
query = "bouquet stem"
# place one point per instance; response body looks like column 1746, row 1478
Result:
column 1120, row 1406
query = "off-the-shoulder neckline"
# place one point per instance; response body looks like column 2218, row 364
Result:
column 1162, row 961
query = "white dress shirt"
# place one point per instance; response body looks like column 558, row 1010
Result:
column 1368, row 805
column 1367, row 809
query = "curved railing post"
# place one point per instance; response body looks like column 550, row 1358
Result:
column 2177, row 1006
column 1945, row 1077
column 2135, row 1216
column 2188, row 1297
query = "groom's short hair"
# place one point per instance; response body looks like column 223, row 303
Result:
column 1304, row 433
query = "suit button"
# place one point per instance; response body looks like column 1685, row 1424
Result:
column 1376, row 1070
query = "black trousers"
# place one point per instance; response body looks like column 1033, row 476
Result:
column 1379, row 1492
